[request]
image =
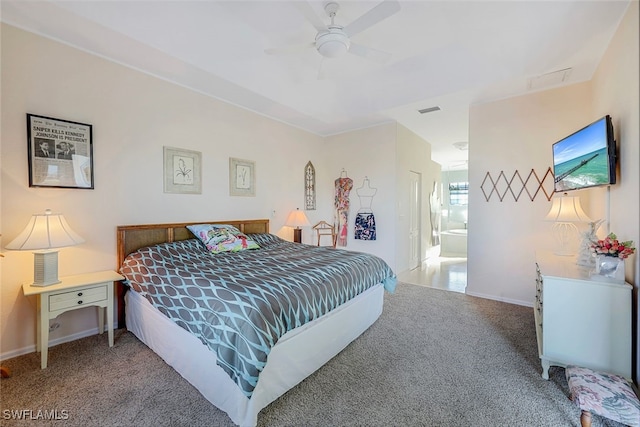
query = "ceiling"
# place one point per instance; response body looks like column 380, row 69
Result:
column 449, row 54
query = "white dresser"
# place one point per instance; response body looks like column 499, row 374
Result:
column 581, row 320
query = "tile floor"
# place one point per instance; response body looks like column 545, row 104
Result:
column 439, row 272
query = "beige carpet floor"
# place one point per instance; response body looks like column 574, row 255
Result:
column 434, row 358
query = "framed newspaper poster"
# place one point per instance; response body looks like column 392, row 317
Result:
column 60, row 153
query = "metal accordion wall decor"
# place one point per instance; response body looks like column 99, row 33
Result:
column 503, row 185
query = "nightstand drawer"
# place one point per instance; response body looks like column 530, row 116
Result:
column 78, row 298
column 73, row 292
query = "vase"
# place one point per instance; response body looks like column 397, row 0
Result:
column 609, row 266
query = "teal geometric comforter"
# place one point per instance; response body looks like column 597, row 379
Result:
column 239, row 304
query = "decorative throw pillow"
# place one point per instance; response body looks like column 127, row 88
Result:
column 222, row 238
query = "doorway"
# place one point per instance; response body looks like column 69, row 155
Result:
column 415, row 235
column 449, row 273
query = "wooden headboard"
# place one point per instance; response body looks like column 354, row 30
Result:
column 133, row 237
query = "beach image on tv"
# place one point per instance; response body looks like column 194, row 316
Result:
column 581, row 160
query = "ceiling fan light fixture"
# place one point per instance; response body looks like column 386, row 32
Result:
column 332, row 43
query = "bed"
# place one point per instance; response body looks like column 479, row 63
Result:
column 305, row 339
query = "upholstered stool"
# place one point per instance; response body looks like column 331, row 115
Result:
column 607, row 395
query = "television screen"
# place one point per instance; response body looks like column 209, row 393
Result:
column 585, row 158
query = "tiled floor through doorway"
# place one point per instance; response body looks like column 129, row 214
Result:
column 439, row 272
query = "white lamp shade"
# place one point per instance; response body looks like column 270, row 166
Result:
column 45, row 231
column 567, row 209
column 297, row 218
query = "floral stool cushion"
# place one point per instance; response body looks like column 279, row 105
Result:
column 607, row 395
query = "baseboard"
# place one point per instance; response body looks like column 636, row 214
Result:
column 453, row 255
column 32, row 348
column 495, row 298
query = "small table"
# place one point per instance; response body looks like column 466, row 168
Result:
column 71, row 293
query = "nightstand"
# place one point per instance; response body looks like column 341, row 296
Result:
column 73, row 292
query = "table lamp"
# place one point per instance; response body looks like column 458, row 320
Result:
column 297, row 219
column 565, row 212
column 44, row 234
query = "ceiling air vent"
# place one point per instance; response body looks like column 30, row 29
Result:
column 462, row 145
column 550, row 79
column 429, row 110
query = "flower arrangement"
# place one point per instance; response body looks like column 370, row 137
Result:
column 611, row 246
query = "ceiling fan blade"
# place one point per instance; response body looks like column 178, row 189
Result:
column 369, row 53
column 378, row 13
column 288, row 50
column 307, row 11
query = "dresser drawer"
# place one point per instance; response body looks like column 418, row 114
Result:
column 78, row 297
column 538, row 302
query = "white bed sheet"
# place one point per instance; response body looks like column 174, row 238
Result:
column 297, row 354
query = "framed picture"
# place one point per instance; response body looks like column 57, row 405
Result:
column 242, row 177
column 60, row 153
column 182, row 171
column 309, row 187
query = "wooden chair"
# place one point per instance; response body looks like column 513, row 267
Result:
column 323, row 228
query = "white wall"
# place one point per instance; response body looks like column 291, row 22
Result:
column 385, row 154
column 512, row 135
column 615, row 91
column 133, row 116
column 367, row 153
column 516, row 134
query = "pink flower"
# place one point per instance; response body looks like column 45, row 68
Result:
column 611, row 246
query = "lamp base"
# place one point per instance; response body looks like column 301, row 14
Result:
column 566, row 234
column 45, row 268
column 297, row 235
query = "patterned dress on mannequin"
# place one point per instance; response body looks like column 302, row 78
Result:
column 343, row 186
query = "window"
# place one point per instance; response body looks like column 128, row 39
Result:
column 459, row 193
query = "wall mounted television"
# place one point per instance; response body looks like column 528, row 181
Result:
column 586, row 158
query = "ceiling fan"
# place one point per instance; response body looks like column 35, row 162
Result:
column 334, row 40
